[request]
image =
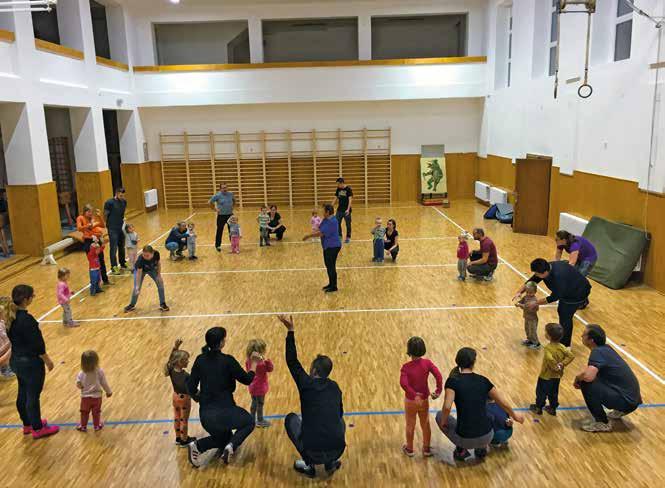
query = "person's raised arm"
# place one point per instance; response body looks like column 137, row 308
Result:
column 298, row 373
column 501, row 401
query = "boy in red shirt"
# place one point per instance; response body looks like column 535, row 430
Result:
column 413, row 379
column 96, row 248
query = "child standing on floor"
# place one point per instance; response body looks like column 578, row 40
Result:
column 462, row 256
column 235, row 233
column 132, row 243
column 96, row 249
column 64, row 295
column 191, row 241
column 378, row 234
column 502, row 424
column 182, row 402
column 91, row 380
column 314, row 223
column 263, row 219
column 413, row 380
column 258, row 388
column 529, row 303
column 7, row 316
column 556, row 357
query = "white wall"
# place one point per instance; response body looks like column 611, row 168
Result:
column 607, row 134
column 453, row 122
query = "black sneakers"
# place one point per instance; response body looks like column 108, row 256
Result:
column 184, row 443
column 536, row 409
column 164, row 307
column 129, row 308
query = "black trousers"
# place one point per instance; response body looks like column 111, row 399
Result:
column 279, row 232
column 220, row 422
column 566, row 310
column 480, row 269
column 547, row 390
column 293, row 426
column 394, row 252
column 347, row 218
column 599, row 394
column 117, row 244
column 30, row 372
column 102, row 262
column 221, row 222
column 330, row 259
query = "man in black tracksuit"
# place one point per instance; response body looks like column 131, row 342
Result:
column 568, row 286
column 319, row 434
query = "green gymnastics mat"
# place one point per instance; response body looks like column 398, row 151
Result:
column 619, row 248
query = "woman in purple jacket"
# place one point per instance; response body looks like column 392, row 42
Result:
column 581, row 253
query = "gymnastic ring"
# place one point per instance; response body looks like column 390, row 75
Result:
column 582, row 87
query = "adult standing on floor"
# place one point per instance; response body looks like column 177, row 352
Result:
column 211, row 383
column 607, row 381
column 391, row 239
column 581, row 253
column 486, row 264
column 275, row 225
column 90, row 223
column 222, row 202
column 568, row 287
column 29, row 361
column 319, row 433
column 469, row 392
column 148, row 263
column 114, row 214
column 344, row 201
column 332, row 244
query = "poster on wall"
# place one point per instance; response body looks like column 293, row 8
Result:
column 433, row 175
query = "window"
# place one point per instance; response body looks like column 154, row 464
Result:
column 100, row 31
column 510, row 44
column 45, row 26
column 623, row 32
column 554, row 35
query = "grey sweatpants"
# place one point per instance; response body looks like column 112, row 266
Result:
column 461, row 268
column 67, row 317
column 191, row 246
column 466, row 442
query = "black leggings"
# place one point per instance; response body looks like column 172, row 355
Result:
column 330, row 259
column 30, row 372
column 394, row 252
column 222, row 220
column 566, row 310
column 220, row 422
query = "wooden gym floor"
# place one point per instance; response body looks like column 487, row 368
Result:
column 364, row 329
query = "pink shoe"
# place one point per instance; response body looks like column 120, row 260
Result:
column 81, row 428
column 27, row 429
column 45, row 431
column 99, row 427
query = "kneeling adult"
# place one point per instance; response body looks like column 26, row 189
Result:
column 484, row 266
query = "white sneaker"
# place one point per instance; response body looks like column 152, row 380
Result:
column 200, row 459
column 597, row 427
column 227, row 454
column 616, row 414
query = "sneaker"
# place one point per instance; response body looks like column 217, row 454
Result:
column 332, row 467
column 461, row 278
column 263, row 424
column 427, row 452
column 218, row 249
column 534, row 346
column 129, row 308
column 597, row 427
column 8, row 374
column 460, row 454
column 227, row 454
column 325, row 287
column 374, row 260
column 347, row 240
column 179, row 253
column 193, row 258
column 27, row 429
column 261, row 244
column 303, row 468
column 268, row 244
column 480, row 453
column 535, row 409
column 407, row 451
column 184, row 443
column 72, row 324
column 173, row 257
column 45, row 431
column 115, row 270
column 99, row 427
column 331, row 290
column 551, row 410
column 100, row 290
column 200, row 459
column 616, row 414
column 81, row 428
column 489, row 277
column 526, row 342
column 164, row 307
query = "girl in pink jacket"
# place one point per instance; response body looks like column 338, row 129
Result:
column 259, row 386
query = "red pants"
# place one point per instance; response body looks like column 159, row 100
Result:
column 91, row 404
column 418, row 409
column 182, row 405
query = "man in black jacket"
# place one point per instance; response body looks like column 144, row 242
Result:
column 568, row 286
column 319, row 434
column 114, row 214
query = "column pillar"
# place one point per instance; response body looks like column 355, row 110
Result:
column 34, row 214
column 255, row 30
column 93, row 177
column 364, row 37
column 136, row 171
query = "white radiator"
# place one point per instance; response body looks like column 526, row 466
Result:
column 497, row 195
column 482, row 191
column 573, row 224
column 151, row 199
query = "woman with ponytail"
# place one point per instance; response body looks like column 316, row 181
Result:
column 29, row 359
column 212, row 383
column 581, row 252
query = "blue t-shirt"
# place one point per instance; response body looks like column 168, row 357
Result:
column 329, row 229
column 224, row 202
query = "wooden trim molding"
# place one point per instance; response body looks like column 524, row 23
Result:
column 657, row 65
column 109, row 63
column 65, row 51
column 309, row 64
column 7, row 36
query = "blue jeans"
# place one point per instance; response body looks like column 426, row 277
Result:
column 585, row 267
column 137, row 286
column 502, row 436
column 94, row 281
column 378, row 249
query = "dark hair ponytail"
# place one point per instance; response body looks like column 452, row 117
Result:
column 214, row 339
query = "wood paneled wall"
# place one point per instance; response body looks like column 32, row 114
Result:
column 139, row 178
column 94, row 188
column 498, row 171
column 34, row 216
column 461, row 172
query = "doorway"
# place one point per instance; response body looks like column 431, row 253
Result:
column 112, row 135
column 532, row 195
column 5, row 231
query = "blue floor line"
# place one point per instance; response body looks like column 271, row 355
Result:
column 281, row 416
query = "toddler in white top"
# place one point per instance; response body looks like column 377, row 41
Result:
column 91, row 380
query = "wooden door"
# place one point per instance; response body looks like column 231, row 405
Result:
column 532, row 195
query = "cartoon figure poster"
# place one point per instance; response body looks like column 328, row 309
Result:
column 433, row 175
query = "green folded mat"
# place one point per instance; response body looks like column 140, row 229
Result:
column 619, row 248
